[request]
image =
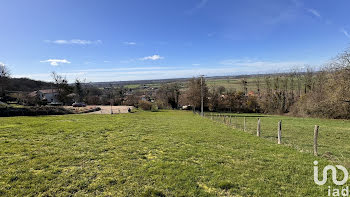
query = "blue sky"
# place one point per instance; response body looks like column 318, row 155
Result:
column 113, row 40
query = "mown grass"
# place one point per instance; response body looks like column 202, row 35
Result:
column 168, row 153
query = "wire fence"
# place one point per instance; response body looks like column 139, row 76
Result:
column 328, row 138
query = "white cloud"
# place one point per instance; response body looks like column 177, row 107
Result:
column 153, row 57
column 56, row 62
column 130, row 43
column 196, row 64
column 346, row 33
column 314, row 12
column 74, row 42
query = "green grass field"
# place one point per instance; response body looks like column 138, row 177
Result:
column 229, row 83
column 235, row 84
column 167, row 153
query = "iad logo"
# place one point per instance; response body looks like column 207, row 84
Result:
column 334, row 174
column 344, row 191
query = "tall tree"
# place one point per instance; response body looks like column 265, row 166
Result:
column 244, row 84
column 194, row 92
column 169, row 93
column 79, row 90
column 62, row 86
column 257, row 83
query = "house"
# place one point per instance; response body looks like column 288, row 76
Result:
column 49, row 95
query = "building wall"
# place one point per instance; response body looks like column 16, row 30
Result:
column 51, row 97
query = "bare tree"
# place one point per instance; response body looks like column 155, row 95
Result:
column 4, row 71
column 308, row 80
column 213, row 100
column 4, row 76
column 268, row 85
column 299, row 82
column 62, row 86
column 194, row 92
column 244, row 84
column 257, row 83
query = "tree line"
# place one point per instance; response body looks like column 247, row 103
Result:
column 315, row 93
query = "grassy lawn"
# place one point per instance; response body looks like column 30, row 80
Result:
column 168, row 153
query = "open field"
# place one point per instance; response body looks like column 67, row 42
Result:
column 235, row 83
column 230, row 83
column 168, row 153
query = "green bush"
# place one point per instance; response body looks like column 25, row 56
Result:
column 154, row 108
column 145, row 105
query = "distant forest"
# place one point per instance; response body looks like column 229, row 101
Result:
column 26, row 85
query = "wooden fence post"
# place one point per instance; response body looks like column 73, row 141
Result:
column 258, row 128
column 315, row 139
column 244, row 124
column 235, row 121
column 279, row 134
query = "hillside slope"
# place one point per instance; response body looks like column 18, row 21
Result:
column 26, row 85
column 169, row 153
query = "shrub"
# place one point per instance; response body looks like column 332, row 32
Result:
column 34, row 111
column 145, row 105
column 154, row 108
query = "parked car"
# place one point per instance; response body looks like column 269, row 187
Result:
column 79, row 105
